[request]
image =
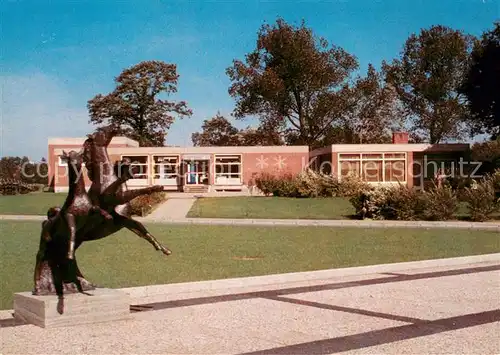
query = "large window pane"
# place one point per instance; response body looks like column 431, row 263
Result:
column 395, row 171
column 165, row 167
column 372, row 171
column 235, row 169
column 138, row 166
column 227, row 167
column 348, row 168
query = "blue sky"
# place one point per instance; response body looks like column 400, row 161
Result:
column 58, row 54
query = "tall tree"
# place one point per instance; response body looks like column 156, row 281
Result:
column 488, row 154
column 11, row 167
column 427, row 78
column 135, row 106
column 293, row 79
column 264, row 135
column 217, row 131
column 482, row 83
column 373, row 115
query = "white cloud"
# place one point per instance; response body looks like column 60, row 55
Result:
column 34, row 108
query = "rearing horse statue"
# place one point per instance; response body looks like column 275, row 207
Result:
column 108, row 192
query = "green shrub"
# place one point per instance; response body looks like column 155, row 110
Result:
column 459, row 183
column 266, row 183
column 495, row 180
column 403, row 203
column 369, row 203
column 145, row 204
column 350, row 186
column 286, row 186
column 309, row 183
column 313, row 184
column 439, row 203
column 482, row 200
column 15, row 187
column 391, row 203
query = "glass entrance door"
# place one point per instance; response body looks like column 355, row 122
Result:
column 196, row 172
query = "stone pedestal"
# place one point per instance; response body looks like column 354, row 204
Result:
column 104, row 305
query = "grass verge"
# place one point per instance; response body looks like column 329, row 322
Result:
column 272, row 207
column 36, row 203
column 335, row 208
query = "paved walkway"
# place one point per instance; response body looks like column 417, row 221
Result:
column 176, row 208
column 175, row 216
column 448, row 306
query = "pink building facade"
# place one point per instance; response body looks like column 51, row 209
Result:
column 210, row 169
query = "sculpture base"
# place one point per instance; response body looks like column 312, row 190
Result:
column 44, row 283
column 99, row 305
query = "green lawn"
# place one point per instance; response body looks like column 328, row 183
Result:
column 272, row 207
column 213, row 252
column 285, row 208
column 220, row 207
column 36, row 203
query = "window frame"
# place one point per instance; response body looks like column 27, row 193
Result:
column 144, row 180
column 384, row 157
column 229, row 174
column 177, row 165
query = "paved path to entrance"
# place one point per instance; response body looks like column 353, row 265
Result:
column 448, row 306
column 173, row 208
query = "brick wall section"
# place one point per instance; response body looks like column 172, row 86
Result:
column 400, row 138
column 272, row 163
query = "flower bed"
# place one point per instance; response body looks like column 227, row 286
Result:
column 145, row 204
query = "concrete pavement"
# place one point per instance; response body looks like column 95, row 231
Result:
column 438, row 306
column 174, row 209
column 174, row 216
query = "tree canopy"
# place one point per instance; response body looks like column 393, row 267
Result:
column 293, row 80
column 372, row 116
column 135, row 106
column 219, row 131
column 427, row 78
column 482, row 84
column 21, row 168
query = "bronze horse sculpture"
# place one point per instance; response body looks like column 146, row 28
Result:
column 107, row 195
column 109, row 192
column 59, row 231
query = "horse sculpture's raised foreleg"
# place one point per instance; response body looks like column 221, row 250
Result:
column 139, row 229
